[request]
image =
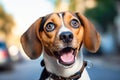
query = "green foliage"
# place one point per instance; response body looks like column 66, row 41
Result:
column 104, row 13
column 6, row 21
column 72, row 5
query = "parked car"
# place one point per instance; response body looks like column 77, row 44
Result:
column 5, row 60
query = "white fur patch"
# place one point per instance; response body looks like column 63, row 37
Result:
column 53, row 67
column 63, row 28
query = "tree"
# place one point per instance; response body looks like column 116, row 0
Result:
column 6, row 22
column 104, row 13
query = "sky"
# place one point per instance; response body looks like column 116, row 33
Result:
column 25, row 12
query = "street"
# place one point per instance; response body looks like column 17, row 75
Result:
column 28, row 70
column 31, row 70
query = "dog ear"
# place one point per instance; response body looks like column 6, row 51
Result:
column 91, row 37
column 31, row 42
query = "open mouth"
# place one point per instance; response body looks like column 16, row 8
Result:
column 66, row 56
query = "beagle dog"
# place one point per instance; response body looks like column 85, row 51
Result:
column 60, row 36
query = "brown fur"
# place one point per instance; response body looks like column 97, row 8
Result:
column 33, row 40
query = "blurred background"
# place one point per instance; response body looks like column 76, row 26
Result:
column 17, row 15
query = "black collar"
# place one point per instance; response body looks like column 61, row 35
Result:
column 76, row 76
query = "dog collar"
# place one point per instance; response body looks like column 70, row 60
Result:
column 76, row 76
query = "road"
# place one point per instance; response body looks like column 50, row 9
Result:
column 31, row 70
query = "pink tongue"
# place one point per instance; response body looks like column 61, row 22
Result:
column 67, row 57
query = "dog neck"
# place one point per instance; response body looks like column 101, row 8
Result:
column 52, row 66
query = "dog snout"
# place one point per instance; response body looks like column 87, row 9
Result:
column 66, row 37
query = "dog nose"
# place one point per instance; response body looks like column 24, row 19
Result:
column 66, row 37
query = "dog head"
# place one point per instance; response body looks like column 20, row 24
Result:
column 61, row 36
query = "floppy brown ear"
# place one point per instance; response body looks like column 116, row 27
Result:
column 91, row 38
column 30, row 41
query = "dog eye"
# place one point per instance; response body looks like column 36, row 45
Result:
column 50, row 27
column 74, row 23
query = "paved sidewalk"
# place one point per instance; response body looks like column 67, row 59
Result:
column 112, row 61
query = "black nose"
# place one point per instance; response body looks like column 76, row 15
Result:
column 66, row 37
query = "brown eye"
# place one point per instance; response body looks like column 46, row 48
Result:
column 50, row 27
column 74, row 23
